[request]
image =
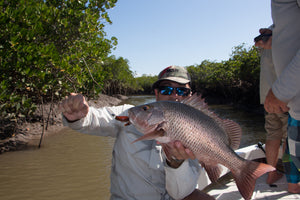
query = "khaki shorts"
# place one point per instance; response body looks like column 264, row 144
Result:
column 276, row 126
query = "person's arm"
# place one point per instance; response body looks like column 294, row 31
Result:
column 99, row 121
column 80, row 117
column 285, row 88
column 287, row 85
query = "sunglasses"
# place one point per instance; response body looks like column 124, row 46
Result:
column 180, row 91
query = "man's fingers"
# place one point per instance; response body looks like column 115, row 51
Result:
column 265, row 30
column 276, row 108
column 77, row 103
column 74, row 106
column 69, row 108
column 259, row 43
column 172, row 151
column 273, row 105
column 166, row 150
column 285, row 108
column 190, row 154
column 180, row 149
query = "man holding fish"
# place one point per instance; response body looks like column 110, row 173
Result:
column 183, row 127
column 147, row 169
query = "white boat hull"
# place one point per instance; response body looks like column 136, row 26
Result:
column 227, row 189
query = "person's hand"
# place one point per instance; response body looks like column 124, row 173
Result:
column 74, row 107
column 274, row 105
column 261, row 43
column 176, row 153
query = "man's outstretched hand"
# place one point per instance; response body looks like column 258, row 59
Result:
column 74, row 107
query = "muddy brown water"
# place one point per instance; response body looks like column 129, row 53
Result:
column 70, row 165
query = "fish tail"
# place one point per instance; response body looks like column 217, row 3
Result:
column 245, row 181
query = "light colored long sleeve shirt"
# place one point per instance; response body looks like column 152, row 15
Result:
column 267, row 72
column 138, row 170
column 286, row 53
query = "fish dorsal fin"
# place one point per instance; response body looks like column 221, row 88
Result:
column 197, row 102
column 232, row 129
column 234, row 132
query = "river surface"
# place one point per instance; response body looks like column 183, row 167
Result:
column 70, row 165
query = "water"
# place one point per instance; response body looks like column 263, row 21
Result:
column 138, row 100
column 68, row 166
column 74, row 166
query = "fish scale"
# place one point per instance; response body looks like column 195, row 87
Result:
column 196, row 122
column 201, row 125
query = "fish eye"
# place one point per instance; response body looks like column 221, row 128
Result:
column 146, row 107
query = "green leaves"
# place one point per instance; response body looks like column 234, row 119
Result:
column 42, row 46
column 236, row 78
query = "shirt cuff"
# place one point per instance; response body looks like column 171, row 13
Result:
column 76, row 125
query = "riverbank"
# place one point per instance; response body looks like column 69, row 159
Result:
column 28, row 134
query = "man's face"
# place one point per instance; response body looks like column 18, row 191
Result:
column 173, row 96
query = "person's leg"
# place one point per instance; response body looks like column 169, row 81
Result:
column 272, row 151
column 275, row 126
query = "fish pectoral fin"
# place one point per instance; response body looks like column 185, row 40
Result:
column 152, row 135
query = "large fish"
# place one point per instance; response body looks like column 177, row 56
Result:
column 209, row 137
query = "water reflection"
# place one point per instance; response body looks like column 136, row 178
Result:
column 68, row 166
column 75, row 166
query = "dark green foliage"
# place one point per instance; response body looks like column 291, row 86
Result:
column 235, row 80
column 145, row 82
column 49, row 48
column 118, row 78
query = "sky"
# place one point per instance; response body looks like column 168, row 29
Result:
column 154, row 34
